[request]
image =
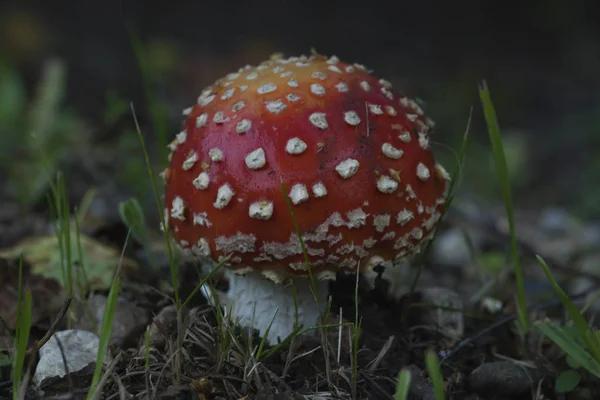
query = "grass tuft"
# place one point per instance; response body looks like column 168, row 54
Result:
column 578, row 340
column 504, row 182
column 23, row 329
column 433, row 368
column 403, row 387
column 174, row 266
column 60, row 211
column 105, row 334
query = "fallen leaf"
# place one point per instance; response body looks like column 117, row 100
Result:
column 93, row 269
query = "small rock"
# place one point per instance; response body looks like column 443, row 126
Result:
column 503, row 378
column 9, row 211
column 583, row 284
column 79, row 348
column 166, row 319
column 589, row 264
column 450, row 249
column 491, row 305
column 557, row 221
column 449, row 323
column 129, row 320
column 591, row 234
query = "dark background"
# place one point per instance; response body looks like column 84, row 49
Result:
column 541, row 61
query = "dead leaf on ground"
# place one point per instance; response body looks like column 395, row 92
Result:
column 95, row 267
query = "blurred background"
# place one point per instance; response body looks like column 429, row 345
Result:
column 76, row 77
column 70, row 70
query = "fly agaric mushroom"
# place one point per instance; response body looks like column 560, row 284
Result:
column 354, row 155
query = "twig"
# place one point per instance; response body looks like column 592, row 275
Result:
column 377, row 388
column 65, row 363
column 52, row 329
column 447, row 354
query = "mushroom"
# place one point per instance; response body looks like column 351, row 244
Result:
column 359, row 173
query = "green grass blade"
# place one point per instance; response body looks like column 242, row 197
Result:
column 147, row 349
column 132, row 215
column 503, row 179
column 570, row 345
column 107, row 324
column 433, row 368
column 457, row 173
column 204, row 280
column 23, row 328
column 105, row 332
column 580, row 323
column 82, row 276
column 85, row 203
column 403, row 386
column 147, row 358
column 172, row 262
column 592, row 299
column 60, row 210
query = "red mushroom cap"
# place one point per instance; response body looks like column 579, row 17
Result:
column 353, row 154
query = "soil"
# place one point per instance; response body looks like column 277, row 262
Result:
column 391, row 333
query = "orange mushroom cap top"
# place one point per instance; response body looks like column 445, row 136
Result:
column 353, row 154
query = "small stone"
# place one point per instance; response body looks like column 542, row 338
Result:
column 591, row 234
column 557, row 221
column 129, row 319
column 79, row 349
column 443, row 319
column 450, row 249
column 167, row 320
column 503, row 378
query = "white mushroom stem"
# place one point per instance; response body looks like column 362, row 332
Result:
column 254, row 301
